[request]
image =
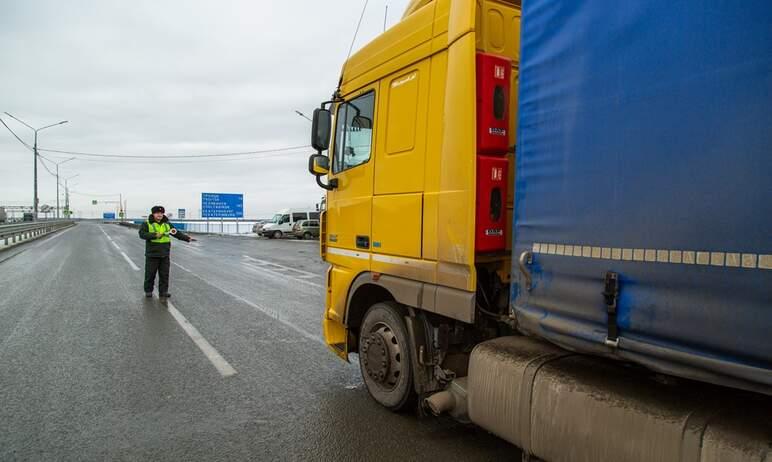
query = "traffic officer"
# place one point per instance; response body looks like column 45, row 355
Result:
column 156, row 231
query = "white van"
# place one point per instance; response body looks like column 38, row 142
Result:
column 281, row 223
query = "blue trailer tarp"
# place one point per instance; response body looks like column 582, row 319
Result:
column 645, row 150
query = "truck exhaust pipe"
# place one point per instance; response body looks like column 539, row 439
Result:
column 452, row 401
column 440, row 403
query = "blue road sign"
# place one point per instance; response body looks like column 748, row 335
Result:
column 108, row 216
column 221, row 205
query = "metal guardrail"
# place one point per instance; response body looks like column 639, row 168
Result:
column 203, row 225
column 24, row 231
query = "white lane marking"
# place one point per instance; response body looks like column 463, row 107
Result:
column 117, row 247
column 222, row 366
column 189, row 246
column 53, row 237
column 271, row 264
column 183, row 268
column 273, row 314
column 283, row 277
column 128, row 260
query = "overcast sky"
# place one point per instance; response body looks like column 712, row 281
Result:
column 169, row 78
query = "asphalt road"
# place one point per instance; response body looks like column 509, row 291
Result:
column 234, row 368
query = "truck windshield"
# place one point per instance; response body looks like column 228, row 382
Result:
column 276, row 218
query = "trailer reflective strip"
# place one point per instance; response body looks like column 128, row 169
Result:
column 684, row 257
column 348, row 253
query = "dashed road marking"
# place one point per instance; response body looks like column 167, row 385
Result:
column 192, row 247
column 279, row 275
column 272, row 313
column 222, row 366
column 128, row 260
column 280, row 268
column 118, row 248
column 183, row 268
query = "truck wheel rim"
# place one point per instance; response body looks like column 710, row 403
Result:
column 382, row 356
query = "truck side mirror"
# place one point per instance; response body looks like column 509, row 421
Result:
column 321, row 126
column 362, row 123
column 319, row 164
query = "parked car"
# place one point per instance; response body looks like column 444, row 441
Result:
column 284, row 220
column 306, row 229
column 259, row 225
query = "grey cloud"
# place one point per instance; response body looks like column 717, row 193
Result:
column 172, row 77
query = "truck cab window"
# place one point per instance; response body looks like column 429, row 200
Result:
column 353, row 132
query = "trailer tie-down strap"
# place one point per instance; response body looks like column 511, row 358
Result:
column 610, row 297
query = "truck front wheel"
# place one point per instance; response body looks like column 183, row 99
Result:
column 384, row 356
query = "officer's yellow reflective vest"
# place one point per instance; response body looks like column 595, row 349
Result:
column 163, row 228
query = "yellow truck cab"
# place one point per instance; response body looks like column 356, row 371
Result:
column 410, row 130
column 591, row 335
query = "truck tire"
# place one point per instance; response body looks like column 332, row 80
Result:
column 276, row 235
column 385, row 356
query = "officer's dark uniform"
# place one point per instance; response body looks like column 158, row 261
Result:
column 157, row 251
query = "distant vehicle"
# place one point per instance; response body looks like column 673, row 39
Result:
column 306, row 229
column 259, row 225
column 28, row 216
column 282, row 222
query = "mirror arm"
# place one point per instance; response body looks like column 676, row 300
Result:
column 332, row 184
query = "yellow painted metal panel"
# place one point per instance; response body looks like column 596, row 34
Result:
column 403, row 44
column 461, row 19
column 434, row 127
column 458, row 167
column 404, row 267
column 397, row 224
column 440, row 29
column 340, row 279
column 441, row 16
column 401, row 99
column 429, row 235
column 413, row 6
column 401, row 146
column 349, row 207
column 335, row 334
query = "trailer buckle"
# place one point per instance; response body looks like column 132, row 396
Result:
column 610, row 297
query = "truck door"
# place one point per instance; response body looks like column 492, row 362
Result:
column 350, row 204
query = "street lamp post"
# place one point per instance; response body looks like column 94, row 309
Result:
column 35, row 151
column 57, row 183
column 303, row 115
column 67, row 194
